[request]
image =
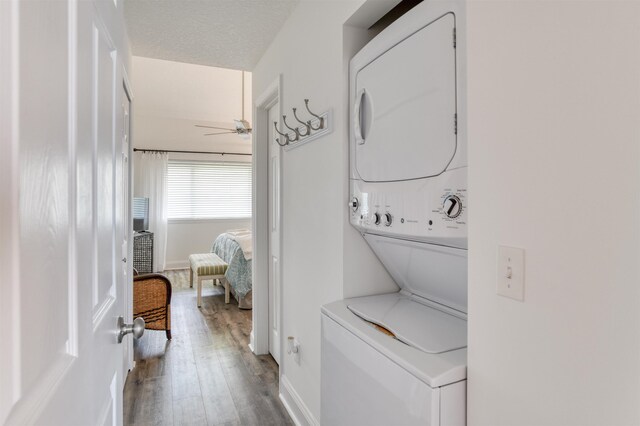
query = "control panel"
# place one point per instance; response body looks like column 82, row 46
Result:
column 431, row 210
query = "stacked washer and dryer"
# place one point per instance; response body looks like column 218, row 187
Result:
column 400, row 358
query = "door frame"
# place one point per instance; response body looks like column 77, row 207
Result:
column 259, row 338
column 9, row 207
column 275, row 230
column 128, row 288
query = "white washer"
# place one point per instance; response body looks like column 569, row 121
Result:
column 408, row 182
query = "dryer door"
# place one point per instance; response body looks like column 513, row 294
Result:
column 405, row 106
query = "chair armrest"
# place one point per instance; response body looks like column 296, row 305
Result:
column 151, row 279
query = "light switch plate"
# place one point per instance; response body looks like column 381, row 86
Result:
column 510, row 272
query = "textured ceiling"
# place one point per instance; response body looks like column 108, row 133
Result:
column 221, row 33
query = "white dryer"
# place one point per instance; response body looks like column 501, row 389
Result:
column 400, row 358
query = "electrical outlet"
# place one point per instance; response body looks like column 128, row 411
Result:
column 293, row 348
column 510, row 272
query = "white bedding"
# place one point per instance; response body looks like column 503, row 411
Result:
column 243, row 238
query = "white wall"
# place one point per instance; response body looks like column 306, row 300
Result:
column 554, row 168
column 169, row 99
column 321, row 252
column 188, row 237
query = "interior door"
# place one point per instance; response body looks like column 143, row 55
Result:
column 274, row 237
column 61, row 363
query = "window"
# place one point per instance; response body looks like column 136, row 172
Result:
column 209, row 190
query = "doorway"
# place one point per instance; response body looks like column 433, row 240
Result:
column 267, row 220
column 274, row 234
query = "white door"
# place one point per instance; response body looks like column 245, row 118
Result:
column 61, row 363
column 274, row 238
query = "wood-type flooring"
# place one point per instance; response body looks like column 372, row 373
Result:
column 206, row 375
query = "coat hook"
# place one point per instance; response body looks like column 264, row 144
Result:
column 321, row 119
column 307, row 124
column 297, row 133
column 286, row 136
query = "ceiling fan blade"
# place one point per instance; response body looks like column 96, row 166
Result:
column 221, row 133
column 212, row 127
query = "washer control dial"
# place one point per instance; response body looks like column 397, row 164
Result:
column 388, row 219
column 452, row 206
column 376, row 218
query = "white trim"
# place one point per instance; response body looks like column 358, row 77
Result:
column 128, row 285
column 12, row 273
column 72, row 124
column 33, row 402
column 109, row 405
column 299, row 412
column 251, row 346
column 102, row 309
column 259, row 221
column 10, row 354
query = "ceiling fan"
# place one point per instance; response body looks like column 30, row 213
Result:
column 243, row 128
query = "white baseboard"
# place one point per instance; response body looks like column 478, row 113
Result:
column 251, row 342
column 296, row 408
column 177, row 264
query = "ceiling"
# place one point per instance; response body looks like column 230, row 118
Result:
column 222, row 33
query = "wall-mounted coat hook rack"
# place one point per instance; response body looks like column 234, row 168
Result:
column 294, row 130
column 307, row 124
column 320, row 119
column 306, row 131
column 284, row 135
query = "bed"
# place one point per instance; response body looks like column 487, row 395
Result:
column 234, row 247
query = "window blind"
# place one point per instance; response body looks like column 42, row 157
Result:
column 208, row 190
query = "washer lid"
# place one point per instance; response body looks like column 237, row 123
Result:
column 417, row 325
column 429, row 271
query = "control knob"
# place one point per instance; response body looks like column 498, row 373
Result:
column 387, row 219
column 452, row 206
column 376, row 218
column 354, row 204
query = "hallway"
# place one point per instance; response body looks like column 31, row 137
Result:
column 206, row 375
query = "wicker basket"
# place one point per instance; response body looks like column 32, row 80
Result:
column 143, row 252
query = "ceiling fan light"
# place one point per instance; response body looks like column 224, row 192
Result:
column 243, row 126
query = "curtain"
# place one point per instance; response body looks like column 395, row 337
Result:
column 150, row 181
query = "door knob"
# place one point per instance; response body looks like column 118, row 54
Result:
column 137, row 328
